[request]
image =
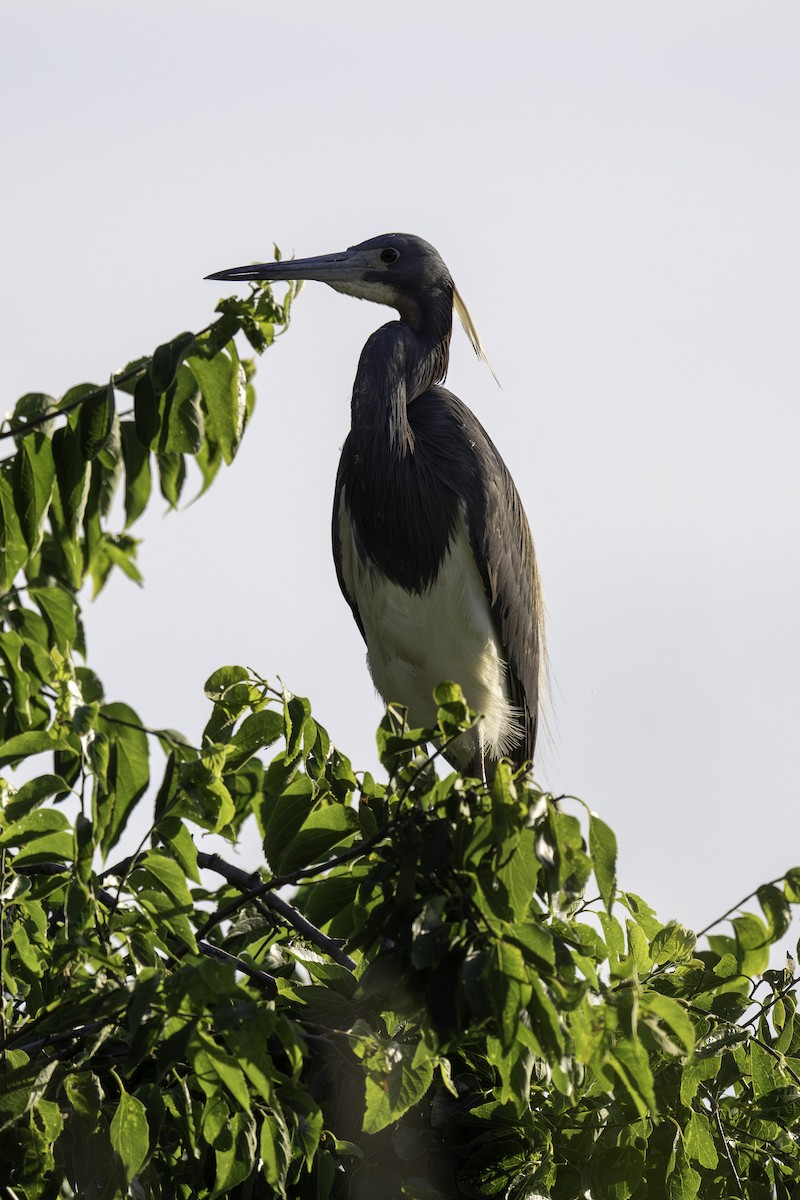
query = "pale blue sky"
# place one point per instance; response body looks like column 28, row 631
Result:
column 616, row 190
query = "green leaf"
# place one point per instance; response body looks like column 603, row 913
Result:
column 276, row 1150
column 218, row 684
column 128, row 771
column 603, row 849
column 752, row 942
column 167, row 359
column 12, row 649
column 792, row 885
column 256, row 732
column 684, row 1182
column 147, row 419
column 214, row 1066
column 109, row 466
column 699, row 1141
column 776, row 910
column 762, row 1070
column 22, row 1088
column 13, row 547
column 24, row 745
column 83, row 1095
column 32, row 793
column 616, row 1172
column 209, row 461
column 721, row 1038
column 281, row 817
column 520, row 873
column 321, row 831
column 182, row 424
column 167, row 872
column 138, row 481
column 223, row 398
column 130, row 1134
column 31, row 407
column 235, row 1158
column 673, row 943
column 173, row 833
column 641, row 912
column 33, row 824
column 629, row 1061
column 209, row 343
column 672, row 1014
column 172, row 476
column 536, row 942
column 398, row 1076
column 72, row 477
column 216, row 1116
column 96, row 421
column 324, row 900
column 33, row 486
column 58, row 607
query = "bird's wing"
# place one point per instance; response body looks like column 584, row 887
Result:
column 343, row 547
column 504, row 554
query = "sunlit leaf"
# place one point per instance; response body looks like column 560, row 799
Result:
column 130, row 1134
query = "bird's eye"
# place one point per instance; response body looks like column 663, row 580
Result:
column 389, row 255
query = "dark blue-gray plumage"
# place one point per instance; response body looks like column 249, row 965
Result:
column 432, row 547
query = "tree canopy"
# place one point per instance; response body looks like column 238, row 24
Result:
column 431, row 989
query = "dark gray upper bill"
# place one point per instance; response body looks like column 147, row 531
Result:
column 324, row 266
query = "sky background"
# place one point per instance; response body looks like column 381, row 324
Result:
column 615, row 188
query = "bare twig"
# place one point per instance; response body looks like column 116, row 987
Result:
column 246, row 881
column 734, row 908
column 268, row 982
column 771, row 1003
column 166, row 735
column 68, row 1035
column 277, row 881
column 331, row 946
column 725, row 1146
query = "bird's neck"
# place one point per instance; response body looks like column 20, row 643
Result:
column 398, row 364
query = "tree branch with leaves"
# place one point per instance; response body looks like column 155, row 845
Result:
column 430, row 989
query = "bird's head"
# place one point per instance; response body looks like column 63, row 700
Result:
column 397, row 269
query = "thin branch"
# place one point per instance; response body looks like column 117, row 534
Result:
column 268, row 982
column 725, row 1146
column 331, row 946
column 69, row 1035
column 59, row 411
column 771, row 1003
column 43, row 868
column 123, row 868
column 166, row 735
column 734, row 908
column 245, row 881
column 293, row 877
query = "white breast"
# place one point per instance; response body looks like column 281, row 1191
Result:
column 417, row 640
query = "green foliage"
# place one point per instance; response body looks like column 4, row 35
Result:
column 415, row 996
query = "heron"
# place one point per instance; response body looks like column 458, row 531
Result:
column 432, row 547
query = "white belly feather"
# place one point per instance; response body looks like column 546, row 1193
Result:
column 417, row 640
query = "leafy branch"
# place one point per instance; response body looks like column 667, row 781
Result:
column 457, row 998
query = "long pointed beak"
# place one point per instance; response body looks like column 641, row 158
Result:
column 326, row 268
